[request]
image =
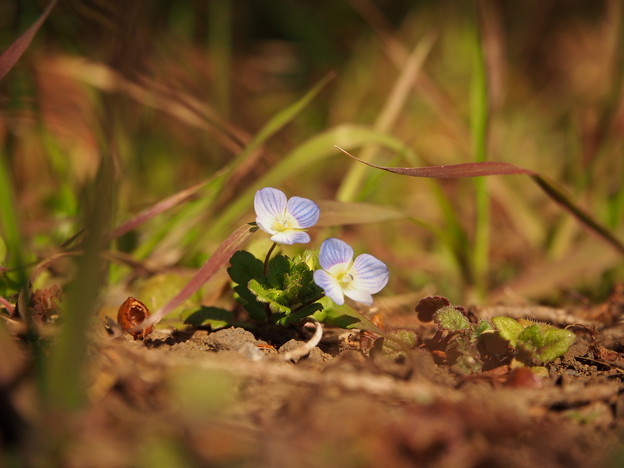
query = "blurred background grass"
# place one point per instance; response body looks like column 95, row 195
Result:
column 171, row 93
column 118, row 105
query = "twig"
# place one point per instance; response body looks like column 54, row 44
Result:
column 304, row 350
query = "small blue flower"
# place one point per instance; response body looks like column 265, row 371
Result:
column 342, row 276
column 285, row 219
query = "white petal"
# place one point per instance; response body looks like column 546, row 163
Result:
column 305, row 211
column 369, row 274
column 291, row 237
column 330, row 285
column 268, row 204
column 265, row 224
column 359, row 295
column 334, row 252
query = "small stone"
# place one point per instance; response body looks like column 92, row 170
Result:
column 230, row 339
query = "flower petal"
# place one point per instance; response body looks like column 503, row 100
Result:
column 334, row 252
column 359, row 295
column 268, row 204
column 330, row 285
column 305, row 211
column 291, row 237
column 369, row 274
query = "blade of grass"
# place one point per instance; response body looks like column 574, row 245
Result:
column 335, row 213
column 11, row 55
column 555, row 192
column 64, row 386
column 479, row 130
column 353, row 181
column 490, row 168
column 220, row 257
column 310, row 152
column 178, row 229
column 160, row 207
column 198, row 212
column 10, row 225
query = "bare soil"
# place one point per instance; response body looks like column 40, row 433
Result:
column 226, row 398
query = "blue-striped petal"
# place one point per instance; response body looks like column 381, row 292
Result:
column 369, row 274
column 291, row 237
column 330, row 285
column 305, row 211
column 334, row 252
column 268, row 204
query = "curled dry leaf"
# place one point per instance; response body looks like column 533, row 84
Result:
column 131, row 314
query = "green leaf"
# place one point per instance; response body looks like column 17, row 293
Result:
column 344, row 316
column 545, row 342
column 399, row 340
column 279, row 267
column 298, row 316
column 508, row 328
column 482, row 327
column 273, row 297
column 244, row 267
column 213, row 316
column 310, row 258
column 395, row 344
column 452, row 319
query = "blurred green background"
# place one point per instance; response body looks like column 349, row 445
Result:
column 119, row 104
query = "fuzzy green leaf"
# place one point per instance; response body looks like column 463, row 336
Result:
column 508, row 328
column 545, row 342
column 399, row 340
column 451, row 319
column 482, row 327
column 344, row 316
column 271, row 296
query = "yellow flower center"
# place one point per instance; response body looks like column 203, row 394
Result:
column 282, row 223
column 345, row 279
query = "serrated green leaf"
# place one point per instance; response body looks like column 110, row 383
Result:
column 451, row 319
column 508, row 328
column 244, row 267
column 271, row 296
column 344, row 316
